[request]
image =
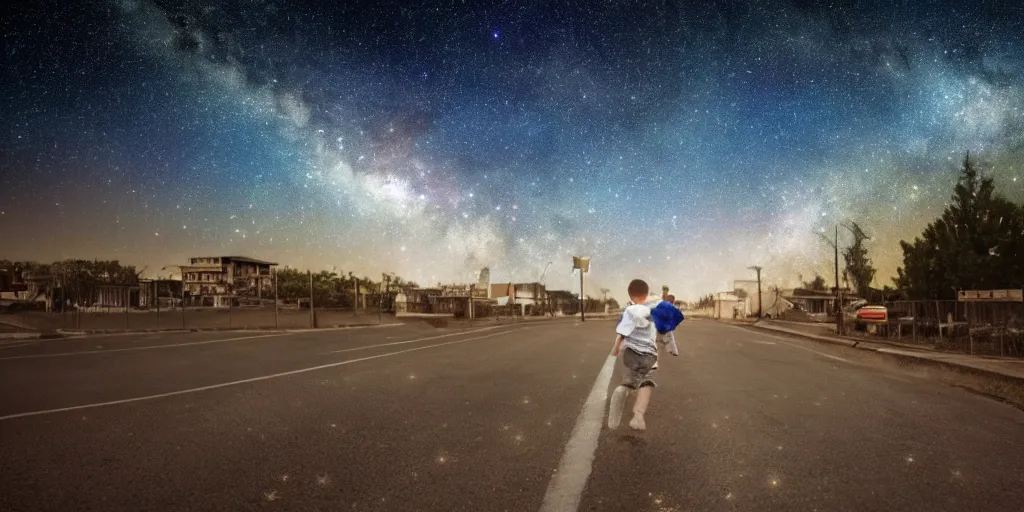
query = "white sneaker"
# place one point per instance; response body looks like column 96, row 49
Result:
column 615, row 406
column 637, row 423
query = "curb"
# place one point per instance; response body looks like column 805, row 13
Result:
column 817, row 337
column 923, row 360
column 30, row 337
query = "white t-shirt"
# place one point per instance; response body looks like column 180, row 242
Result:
column 637, row 329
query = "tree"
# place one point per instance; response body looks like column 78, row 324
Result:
column 818, row 284
column 706, row 301
column 858, row 267
column 975, row 244
column 292, row 284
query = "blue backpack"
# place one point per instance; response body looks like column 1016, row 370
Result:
column 666, row 317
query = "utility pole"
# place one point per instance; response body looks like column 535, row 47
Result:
column 183, row 301
column 156, row 285
column 355, row 293
column 312, row 312
column 760, row 310
column 839, row 296
column 543, row 283
column 839, row 293
column 277, row 319
column 380, row 306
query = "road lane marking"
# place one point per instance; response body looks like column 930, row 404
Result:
column 759, row 342
column 784, row 341
column 151, row 347
column 413, row 341
column 830, row 356
column 566, row 486
column 16, row 345
column 246, row 381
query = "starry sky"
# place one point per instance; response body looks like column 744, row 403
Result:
column 680, row 142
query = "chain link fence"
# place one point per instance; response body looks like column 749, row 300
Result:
column 977, row 328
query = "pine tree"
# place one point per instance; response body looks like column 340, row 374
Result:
column 975, row 244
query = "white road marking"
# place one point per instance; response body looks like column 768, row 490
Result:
column 18, row 344
column 413, row 341
column 245, row 381
column 566, row 486
column 830, row 356
column 784, row 341
column 151, row 347
column 759, row 342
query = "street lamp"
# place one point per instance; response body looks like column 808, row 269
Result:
column 581, row 263
column 543, row 276
column 759, row 310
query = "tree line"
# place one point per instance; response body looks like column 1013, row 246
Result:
column 333, row 288
column 79, row 277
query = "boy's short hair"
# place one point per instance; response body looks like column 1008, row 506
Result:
column 671, row 298
column 638, row 288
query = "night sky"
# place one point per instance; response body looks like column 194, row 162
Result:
column 678, row 142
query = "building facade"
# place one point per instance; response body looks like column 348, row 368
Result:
column 219, row 281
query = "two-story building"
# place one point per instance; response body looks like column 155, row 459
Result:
column 218, row 281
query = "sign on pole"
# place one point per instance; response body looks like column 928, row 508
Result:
column 990, row 296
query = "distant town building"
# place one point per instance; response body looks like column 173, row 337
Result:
column 817, row 302
column 775, row 304
column 217, row 281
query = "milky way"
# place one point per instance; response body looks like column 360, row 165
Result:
column 680, row 142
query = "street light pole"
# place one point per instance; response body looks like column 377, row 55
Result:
column 583, row 264
column 583, row 305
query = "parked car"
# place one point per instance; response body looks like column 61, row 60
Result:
column 864, row 316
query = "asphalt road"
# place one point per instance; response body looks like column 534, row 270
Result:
column 414, row 418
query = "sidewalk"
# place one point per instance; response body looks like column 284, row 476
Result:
column 1012, row 368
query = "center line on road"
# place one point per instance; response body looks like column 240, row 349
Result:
column 412, row 341
column 566, row 486
column 246, row 381
column 151, row 347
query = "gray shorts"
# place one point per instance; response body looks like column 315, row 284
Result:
column 637, row 372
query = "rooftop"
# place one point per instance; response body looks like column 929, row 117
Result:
column 243, row 259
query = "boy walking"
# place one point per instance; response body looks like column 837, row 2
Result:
column 668, row 338
column 636, row 340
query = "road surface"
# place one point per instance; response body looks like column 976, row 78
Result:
column 488, row 418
